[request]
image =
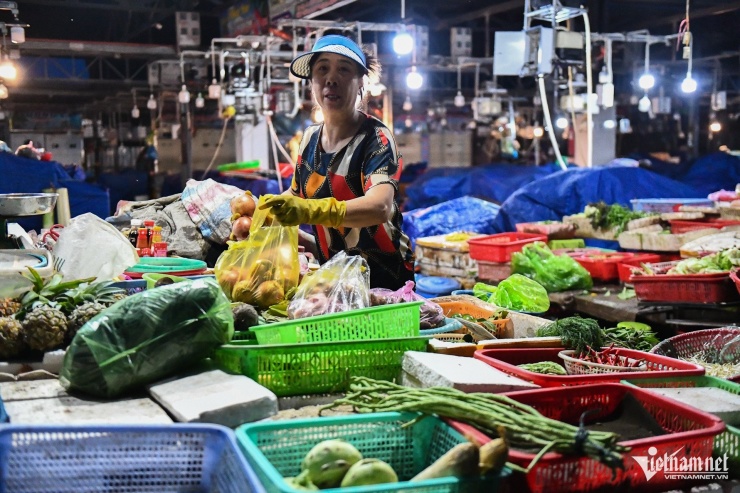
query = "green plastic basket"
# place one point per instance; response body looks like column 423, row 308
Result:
column 379, row 322
column 316, row 367
column 726, row 443
column 275, row 450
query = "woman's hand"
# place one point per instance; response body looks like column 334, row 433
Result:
column 292, row 211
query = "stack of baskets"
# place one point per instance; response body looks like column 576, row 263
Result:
column 319, row 354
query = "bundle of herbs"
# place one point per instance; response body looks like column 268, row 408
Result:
column 605, row 216
column 576, row 333
column 631, row 335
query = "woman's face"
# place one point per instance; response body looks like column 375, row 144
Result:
column 335, row 81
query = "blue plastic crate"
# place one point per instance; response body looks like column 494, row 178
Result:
column 123, row 459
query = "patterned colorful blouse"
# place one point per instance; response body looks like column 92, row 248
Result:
column 368, row 160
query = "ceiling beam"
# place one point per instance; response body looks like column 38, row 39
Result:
column 56, row 47
column 498, row 8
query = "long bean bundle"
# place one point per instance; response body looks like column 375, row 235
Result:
column 525, row 426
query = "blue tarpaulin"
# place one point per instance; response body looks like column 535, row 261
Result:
column 494, row 182
column 23, row 175
column 568, row 192
column 461, row 214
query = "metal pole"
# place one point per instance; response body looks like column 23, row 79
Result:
column 186, row 146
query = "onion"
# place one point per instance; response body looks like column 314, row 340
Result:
column 243, row 205
column 240, row 228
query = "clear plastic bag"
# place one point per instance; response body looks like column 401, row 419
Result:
column 431, row 313
column 262, row 269
column 341, row 284
column 516, row 292
column 146, row 337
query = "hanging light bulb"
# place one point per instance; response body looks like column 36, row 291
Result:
column 414, row 80
column 609, row 124
column 183, row 96
column 3, row 91
column 407, row 106
column 459, row 100
column 7, row 70
column 151, row 102
column 199, row 101
column 688, row 85
column 715, row 127
column 214, row 90
column 538, row 132
column 403, row 43
column 17, row 35
column 376, row 89
column 135, row 112
column 646, row 81
column 644, row 104
column 561, row 123
column 408, row 122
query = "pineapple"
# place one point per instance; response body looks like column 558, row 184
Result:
column 81, row 315
column 8, row 307
column 44, row 328
column 11, row 342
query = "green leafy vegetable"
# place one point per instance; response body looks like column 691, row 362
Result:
column 722, row 261
column 631, row 335
column 554, row 272
column 604, row 216
column 626, row 294
column 576, row 333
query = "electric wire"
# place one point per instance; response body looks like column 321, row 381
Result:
column 548, row 121
column 218, row 146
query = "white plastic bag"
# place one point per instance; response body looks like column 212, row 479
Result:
column 90, row 247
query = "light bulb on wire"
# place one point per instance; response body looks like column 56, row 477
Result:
column 688, row 85
column 7, row 70
column 135, row 112
column 407, row 106
column 561, row 122
column 414, row 80
column 459, row 99
column 715, row 127
column 199, row 101
column 151, row 103
column 646, row 81
column 403, row 43
column 644, row 104
column 183, row 96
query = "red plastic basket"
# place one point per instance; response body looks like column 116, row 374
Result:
column 493, row 271
column 689, row 433
column 695, row 288
column 735, row 279
column 603, row 266
column 499, row 247
column 678, row 226
column 507, row 360
column 624, row 267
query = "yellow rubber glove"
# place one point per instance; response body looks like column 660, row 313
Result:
column 292, row 211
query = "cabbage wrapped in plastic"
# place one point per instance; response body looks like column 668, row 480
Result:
column 554, row 272
column 516, row 292
column 146, row 337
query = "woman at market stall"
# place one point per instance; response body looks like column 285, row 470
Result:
column 345, row 178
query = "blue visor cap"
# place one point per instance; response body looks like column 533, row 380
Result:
column 332, row 43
